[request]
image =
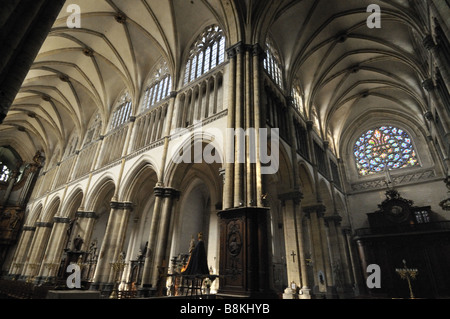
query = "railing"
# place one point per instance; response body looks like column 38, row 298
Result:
column 64, row 171
column 85, row 159
column 21, row 290
column 47, row 180
column 402, row 229
column 200, row 100
column 149, row 127
column 113, row 145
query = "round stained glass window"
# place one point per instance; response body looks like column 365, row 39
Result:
column 384, row 148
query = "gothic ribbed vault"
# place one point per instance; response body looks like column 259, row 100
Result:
column 345, row 70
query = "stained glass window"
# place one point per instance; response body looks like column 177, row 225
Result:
column 4, row 172
column 384, row 148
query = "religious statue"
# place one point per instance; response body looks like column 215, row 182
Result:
column 78, row 243
column 192, row 245
column 14, row 220
column 69, row 229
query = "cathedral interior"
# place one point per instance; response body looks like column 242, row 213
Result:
column 288, row 149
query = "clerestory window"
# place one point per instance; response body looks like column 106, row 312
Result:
column 384, row 148
column 297, row 98
column 94, row 130
column 159, row 87
column 207, row 52
column 122, row 112
column 272, row 63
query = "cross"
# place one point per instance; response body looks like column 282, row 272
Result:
column 293, row 254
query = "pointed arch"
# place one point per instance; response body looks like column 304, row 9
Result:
column 51, row 210
column 73, row 202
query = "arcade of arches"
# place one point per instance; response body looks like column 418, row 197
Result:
column 116, row 152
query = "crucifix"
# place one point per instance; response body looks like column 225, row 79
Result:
column 293, row 254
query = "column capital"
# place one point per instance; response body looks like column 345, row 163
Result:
column 241, row 47
column 44, row 224
column 333, row 218
column 171, row 193
column 346, row 231
column 88, row 215
column 320, row 209
column 166, row 192
column 258, row 51
column 122, row 205
column 61, row 220
column 232, row 51
column 295, row 196
column 159, row 191
column 173, row 94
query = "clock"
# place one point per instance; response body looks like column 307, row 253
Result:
column 396, row 210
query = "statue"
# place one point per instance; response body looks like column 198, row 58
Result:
column 78, row 243
column 192, row 245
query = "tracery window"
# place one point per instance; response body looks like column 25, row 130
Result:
column 122, row 112
column 207, row 52
column 297, row 98
column 159, row 87
column 94, row 130
column 272, row 63
column 315, row 119
column 384, row 148
column 71, row 146
column 4, row 173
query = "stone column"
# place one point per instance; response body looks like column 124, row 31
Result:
column 22, row 251
column 86, row 221
column 149, row 263
column 36, row 252
column 315, row 215
column 25, row 26
column 355, row 265
column 294, row 241
column 362, row 251
column 112, row 245
column 259, row 118
column 228, row 190
column 55, row 247
column 326, row 254
column 345, row 257
column 161, row 261
column 239, row 166
column 339, row 262
column 312, row 152
column 128, row 139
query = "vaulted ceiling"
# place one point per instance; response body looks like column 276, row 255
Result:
column 346, row 70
